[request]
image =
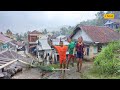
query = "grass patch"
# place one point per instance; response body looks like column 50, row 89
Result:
column 55, row 65
column 93, row 73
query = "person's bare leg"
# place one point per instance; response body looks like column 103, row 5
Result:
column 61, row 68
column 64, row 66
column 73, row 61
column 80, row 64
column 77, row 64
column 68, row 62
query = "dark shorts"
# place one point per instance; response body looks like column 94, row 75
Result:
column 79, row 55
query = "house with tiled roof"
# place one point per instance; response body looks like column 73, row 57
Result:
column 4, row 42
column 95, row 38
column 113, row 23
column 9, row 34
column 32, row 38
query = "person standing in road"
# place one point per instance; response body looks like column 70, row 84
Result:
column 71, row 47
column 80, row 48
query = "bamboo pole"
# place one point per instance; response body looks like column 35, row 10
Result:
column 7, row 64
column 12, row 55
column 25, row 63
column 6, row 59
column 4, row 62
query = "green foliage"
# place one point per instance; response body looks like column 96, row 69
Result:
column 117, row 14
column 19, row 37
column 45, row 31
column 108, row 60
column 55, row 65
column 46, row 68
column 25, row 35
column 66, row 30
column 99, row 20
column 118, row 30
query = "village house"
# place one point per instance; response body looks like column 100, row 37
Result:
column 95, row 38
column 9, row 34
column 8, row 43
column 18, row 44
column 42, row 50
column 62, row 37
column 113, row 23
column 32, row 38
column 4, row 42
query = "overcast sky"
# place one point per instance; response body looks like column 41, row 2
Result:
column 22, row 21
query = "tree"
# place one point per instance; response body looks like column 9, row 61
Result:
column 53, row 32
column 70, row 30
column 25, row 35
column 89, row 22
column 100, row 18
column 45, row 31
column 63, row 30
column 116, row 13
column 19, row 37
column 9, row 32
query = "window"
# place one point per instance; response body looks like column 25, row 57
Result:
column 116, row 26
column 99, row 47
column 95, row 49
column 33, row 39
column 87, row 51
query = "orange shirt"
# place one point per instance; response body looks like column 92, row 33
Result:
column 61, row 51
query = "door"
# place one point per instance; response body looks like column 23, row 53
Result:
column 87, row 51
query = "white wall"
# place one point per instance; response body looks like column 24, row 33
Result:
column 83, row 34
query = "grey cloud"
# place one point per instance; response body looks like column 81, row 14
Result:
column 21, row 21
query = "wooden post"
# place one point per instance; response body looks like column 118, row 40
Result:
column 47, row 59
column 37, row 55
column 53, row 58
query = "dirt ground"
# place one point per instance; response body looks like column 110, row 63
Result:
column 34, row 73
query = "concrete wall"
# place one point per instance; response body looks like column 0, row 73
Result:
column 92, row 52
column 83, row 34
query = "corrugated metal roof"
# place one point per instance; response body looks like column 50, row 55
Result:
column 39, row 47
column 44, row 44
column 99, row 34
column 108, row 22
column 4, row 39
column 34, row 32
column 61, row 36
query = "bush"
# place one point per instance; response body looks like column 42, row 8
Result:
column 108, row 60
